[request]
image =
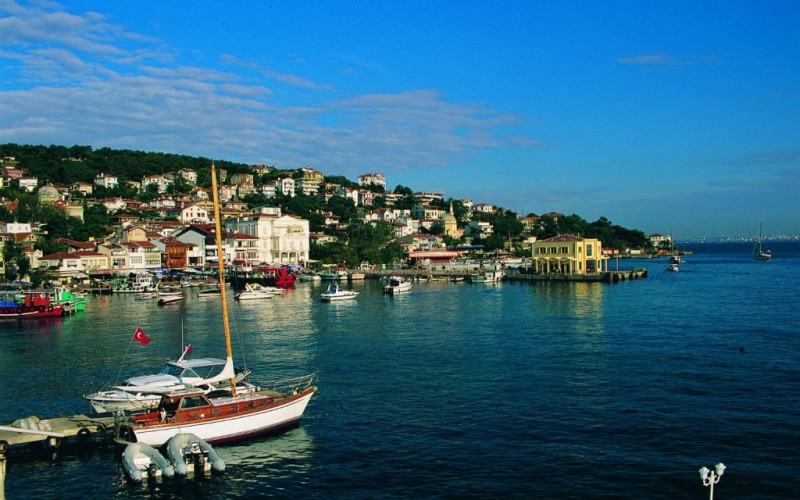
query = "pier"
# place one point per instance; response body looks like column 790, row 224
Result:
column 52, row 431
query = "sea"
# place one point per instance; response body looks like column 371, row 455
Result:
column 458, row 390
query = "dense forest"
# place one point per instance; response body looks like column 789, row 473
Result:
column 66, row 165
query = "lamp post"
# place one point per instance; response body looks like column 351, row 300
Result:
column 711, row 477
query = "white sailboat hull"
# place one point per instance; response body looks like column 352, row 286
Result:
column 230, row 429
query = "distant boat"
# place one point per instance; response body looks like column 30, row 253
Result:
column 758, row 253
column 672, row 266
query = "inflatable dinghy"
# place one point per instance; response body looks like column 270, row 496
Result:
column 141, row 461
column 189, row 453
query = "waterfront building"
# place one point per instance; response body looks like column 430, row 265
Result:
column 202, row 249
column 282, row 239
column 65, row 266
column 568, row 254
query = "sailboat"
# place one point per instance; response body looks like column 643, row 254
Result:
column 225, row 419
column 758, row 253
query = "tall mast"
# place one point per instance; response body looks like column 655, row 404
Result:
column 221, row 271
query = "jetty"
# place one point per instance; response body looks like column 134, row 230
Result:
column 52, row 432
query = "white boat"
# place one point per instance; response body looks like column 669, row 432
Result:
column 308, row 277
column 254, row 291
column 209, row 292
column 397, row 284
column 334, row 293
column 142, row 461
column 673, row 267
column 492, row 276
column 356, row 276
column 144, row 392
column 224, row 419
column 188, row 453
column 165, row 300
column 758, row 252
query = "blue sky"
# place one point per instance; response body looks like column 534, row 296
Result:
column 678, row 117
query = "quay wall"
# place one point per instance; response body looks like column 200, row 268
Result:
column 448, row 274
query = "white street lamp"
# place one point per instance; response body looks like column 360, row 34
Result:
column 711, row 477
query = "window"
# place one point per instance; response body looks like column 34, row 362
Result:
column 589, row 250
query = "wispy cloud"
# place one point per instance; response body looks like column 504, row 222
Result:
column 656, row 59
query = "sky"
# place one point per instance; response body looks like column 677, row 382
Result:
column 671, row 117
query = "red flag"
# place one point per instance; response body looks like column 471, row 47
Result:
column 140, row 337
column 188, row 348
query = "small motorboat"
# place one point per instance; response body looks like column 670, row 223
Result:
column 189, row 453
column 397, row 284
column 335, row 293
column 142, row 461
column 171, row 299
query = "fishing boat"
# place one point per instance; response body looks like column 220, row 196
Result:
column 262, row 275
column 334, row 293
column 133, row 283
column 30, row 305
column 758, row 253
column 224, row 419
column 254, row 291
column 493, row 276
column 397, row 284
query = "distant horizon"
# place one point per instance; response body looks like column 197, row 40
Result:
column 660, row 117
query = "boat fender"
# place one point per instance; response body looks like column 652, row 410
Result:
column 41, row 309
column 84, row 434
column 3, row 447
column 50, row 308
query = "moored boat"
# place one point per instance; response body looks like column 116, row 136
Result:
column 142, row 461
column 144, row 392
column 33, row 305
column 188, row 453
column 493, row 276
column 169, row 299
column 254, row 291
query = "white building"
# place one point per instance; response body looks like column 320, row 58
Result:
column 282, row 239
column 368, row 179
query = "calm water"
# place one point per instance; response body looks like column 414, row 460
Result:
column 458, row 390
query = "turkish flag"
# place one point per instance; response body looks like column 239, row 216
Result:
column 188, row 348
column 139, row 336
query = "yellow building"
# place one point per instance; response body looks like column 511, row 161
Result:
column 568, row 254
